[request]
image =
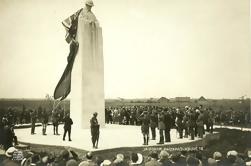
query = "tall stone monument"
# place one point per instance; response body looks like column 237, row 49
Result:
column 87, row 82
column 84, row 73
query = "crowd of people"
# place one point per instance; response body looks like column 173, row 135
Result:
column 11, row 119
column 15, row 157
column 127, row 115
column 188, row 121
column 17, row 116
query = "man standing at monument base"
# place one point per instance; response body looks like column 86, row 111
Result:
column 84, row 73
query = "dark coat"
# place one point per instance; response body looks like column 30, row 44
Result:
column 153, row 120
column 67, row 122
column 161, row 122
column 168, row 120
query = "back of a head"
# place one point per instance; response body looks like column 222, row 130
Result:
column 65, row 154
column 89, row 155
column 134, row 157
column 212, row 162
column 191, row 161
column 154, row 155
column 217, row 155
column 71, row 162
column 163, row 154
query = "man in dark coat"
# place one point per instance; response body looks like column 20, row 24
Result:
column 179, row 123
column 8, row 136
column 191, row 123
column 161, row 126
column 55, row 121
column 44, row 119
column 94, row 130
column 67, row 126
column 33, row 117
column 168, row 125
column 200, row 125
column 153, row 123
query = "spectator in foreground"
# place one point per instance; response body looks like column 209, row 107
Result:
column 106, row 163
column 164, row 160
column 89, row 161
column 211, row 162
column 64, row 156
column 192, row 161
column 119, row 161
column 9, row 157
column 231, row 157
column 153, row 160
column 71, row 162
column 136, row 159
column 218, row 157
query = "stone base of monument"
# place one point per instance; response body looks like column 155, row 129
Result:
column 112, row 137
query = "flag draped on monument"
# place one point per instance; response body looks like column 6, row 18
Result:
column 84, row 79
column 63, row 87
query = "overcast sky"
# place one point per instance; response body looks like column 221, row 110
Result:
column 151, row 48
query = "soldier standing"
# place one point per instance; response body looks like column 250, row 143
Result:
column 161, row 126
column 33, row 121
column 44, row 121
column 179, row 123
column 191, row 123
column 145, row 121
column 67, row 126
column 94, row 130
column 200, row 125
column 153, row 123
column 168, row 125
column 55, row 121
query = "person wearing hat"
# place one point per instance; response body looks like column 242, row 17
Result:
column 145, row 122
column 94, row 130
column 9, row 157
column 192, row 161
column 64, row 157
column 200, row 125
column 231, row 158
column 106, row 163
column 71, row 162
column 168, row 125
column 89, row 161
column 153, row 123
column 161, row 126
column 33, row 116
column 164, row 158
column 153, row 160
column 218, row 157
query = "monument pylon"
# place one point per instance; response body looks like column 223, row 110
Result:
column 87, row 74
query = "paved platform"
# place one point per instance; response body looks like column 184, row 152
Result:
column 112, row 136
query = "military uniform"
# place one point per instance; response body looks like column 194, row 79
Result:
column 162, row 127
column 55, row 121
column 168, row 126
column 33, row 121
column 153, row 124
column 200, row 125
column 67, row 127
column 44, row 122
column 145, row 122
column 191, row 124
column 94, row 131
column 180, row 124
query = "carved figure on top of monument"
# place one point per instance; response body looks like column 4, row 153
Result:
column 87, row 14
